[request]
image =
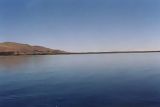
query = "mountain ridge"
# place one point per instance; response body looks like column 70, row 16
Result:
column 13, row 48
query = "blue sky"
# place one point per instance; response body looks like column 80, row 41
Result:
column 82, row 25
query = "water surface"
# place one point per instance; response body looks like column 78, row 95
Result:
column 106, row 80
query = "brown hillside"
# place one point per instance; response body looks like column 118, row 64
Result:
column 25, row 49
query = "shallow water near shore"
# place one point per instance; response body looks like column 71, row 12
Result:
column 104, row 80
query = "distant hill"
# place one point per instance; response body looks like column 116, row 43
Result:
column 12, row 48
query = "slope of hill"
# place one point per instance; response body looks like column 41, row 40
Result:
column 12, row 48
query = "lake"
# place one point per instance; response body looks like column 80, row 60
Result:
column 104, row 80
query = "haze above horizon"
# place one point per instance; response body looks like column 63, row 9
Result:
column 82, row 25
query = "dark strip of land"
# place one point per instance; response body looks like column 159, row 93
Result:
column 73, row 53
column 113, row 52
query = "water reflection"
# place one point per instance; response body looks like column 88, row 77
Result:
column 17, row 62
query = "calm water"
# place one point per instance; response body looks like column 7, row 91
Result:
column 108, row 80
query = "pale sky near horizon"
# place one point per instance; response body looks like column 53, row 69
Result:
column 82, row 25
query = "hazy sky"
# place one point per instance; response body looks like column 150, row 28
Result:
column 82, row 25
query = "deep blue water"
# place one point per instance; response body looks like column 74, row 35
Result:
column 108, row 80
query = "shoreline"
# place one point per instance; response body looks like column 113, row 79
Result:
column 115, row 52
column 78, row 53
